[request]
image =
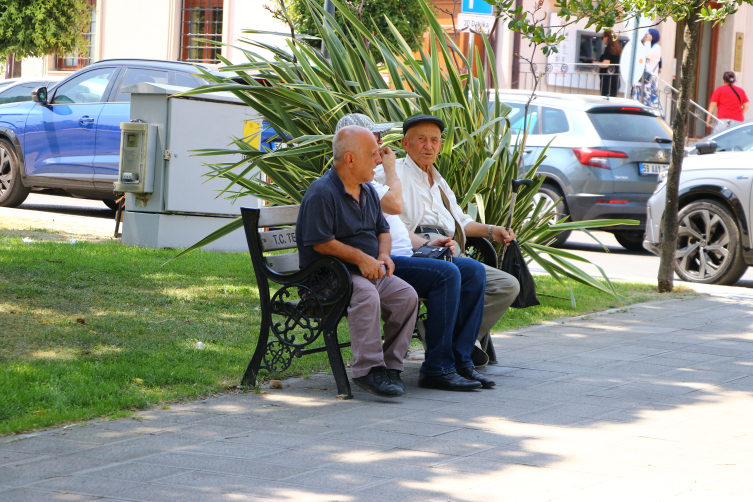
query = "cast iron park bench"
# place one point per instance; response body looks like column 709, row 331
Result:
column 308, row 303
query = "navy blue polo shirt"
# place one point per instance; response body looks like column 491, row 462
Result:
column 329, row 212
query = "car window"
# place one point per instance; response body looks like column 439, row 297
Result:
column 18, row 93
column 553, row 121
column 740, row 139
column 86, row 88
column 5, row 84
column 135, row 76
column 184, row 80
column 516, row 118
column 628, row 127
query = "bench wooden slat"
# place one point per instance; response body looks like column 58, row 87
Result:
column 278, row 239
column 283, row 263
column 276, row 216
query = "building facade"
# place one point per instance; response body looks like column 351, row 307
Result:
column 161, row 29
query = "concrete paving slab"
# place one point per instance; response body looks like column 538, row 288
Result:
column 651, row 404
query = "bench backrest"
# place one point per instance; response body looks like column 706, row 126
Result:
column 273, row 240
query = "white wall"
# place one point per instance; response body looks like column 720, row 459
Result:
column 246, row 15
column 137, row 29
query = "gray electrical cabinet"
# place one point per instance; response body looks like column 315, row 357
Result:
column 170, row 202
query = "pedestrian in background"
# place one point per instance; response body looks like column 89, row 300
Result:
column 647, row 90
column 731, row 101
column 609, row 65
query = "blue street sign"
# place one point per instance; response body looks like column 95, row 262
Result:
column 476, row 7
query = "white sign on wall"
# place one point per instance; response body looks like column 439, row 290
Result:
column 475, row 22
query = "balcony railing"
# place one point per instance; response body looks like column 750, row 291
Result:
column 585, row 78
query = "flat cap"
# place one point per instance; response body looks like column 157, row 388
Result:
column 419, row 119
column 361, row 120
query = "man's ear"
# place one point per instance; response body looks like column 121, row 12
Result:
column 405, row 142
column 349, row 159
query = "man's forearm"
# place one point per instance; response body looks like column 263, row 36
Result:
column 392, row 202
column 385, row 243
column 475, row 229
column 341, row 251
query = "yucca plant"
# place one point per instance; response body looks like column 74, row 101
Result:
column 302, row 95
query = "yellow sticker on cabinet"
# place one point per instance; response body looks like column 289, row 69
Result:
column 252, row 133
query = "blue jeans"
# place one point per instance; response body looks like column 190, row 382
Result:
column 454, row 294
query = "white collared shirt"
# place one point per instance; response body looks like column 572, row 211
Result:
column 420, row 200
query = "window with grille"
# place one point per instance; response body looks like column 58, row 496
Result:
column 78, row 61
column 201, row 20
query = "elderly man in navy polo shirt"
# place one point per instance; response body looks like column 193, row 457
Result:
column 341, row 216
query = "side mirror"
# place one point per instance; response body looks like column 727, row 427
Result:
column 39, row 95
column 705, row 147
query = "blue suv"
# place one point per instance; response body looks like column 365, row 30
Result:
column 69, row 139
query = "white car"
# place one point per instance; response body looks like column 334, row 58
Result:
column 714, row 234
column 15, row 90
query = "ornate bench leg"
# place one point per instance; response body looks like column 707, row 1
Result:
column 249, row 378
column 337, row 364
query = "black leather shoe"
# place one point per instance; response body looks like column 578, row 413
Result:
column 479, row 357
column 472, row 374
column 450, row 381
column 378, row 383
column 394, row 376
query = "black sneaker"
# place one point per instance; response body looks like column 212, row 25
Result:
column 394, row 376
column 378, row 383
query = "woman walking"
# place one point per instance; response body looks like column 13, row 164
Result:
column 647, row 91
column 609, row 65
column 731, row 102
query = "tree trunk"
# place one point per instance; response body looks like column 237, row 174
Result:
column 679, row 133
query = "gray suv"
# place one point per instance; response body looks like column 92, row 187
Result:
column 604, row 158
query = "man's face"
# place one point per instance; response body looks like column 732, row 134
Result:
column 422, row 143
column 366, row 160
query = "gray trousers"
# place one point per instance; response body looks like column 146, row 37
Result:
column 398, row 303
column 501, row 290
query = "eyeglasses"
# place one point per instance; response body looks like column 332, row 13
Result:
column 378, row 136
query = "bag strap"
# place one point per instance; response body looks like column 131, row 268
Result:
column 736, row 94
column 459, row 234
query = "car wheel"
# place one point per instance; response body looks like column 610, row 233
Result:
column 111, row 204
column 709, row 250
column 550, row 194
column 632, row 241
column 12, row 192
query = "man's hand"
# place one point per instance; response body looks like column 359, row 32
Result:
column 388, row 158
column 444, row 242
column 501, row 234
column 388, row 264
column 371, row 268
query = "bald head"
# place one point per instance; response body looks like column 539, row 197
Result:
column 350, row 139
column 356, row 154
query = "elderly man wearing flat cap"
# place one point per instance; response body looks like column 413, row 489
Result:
column 430, row 209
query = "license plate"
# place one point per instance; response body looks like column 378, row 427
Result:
column 650, row 169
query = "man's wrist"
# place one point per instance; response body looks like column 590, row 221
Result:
column 491, row 238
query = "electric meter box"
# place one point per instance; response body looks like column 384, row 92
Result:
column 138, row 148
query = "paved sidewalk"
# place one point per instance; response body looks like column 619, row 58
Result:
column 648, row 403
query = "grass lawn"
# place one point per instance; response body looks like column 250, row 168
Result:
column 101, row 329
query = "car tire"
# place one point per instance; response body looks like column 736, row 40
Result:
column 632, row 241
column 12, row 191
column 551, row 193
column 709, row 249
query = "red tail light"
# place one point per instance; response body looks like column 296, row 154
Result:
column 596, row 158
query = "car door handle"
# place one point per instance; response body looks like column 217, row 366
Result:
column 86, row 120
column 527, row 151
